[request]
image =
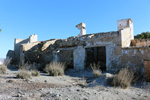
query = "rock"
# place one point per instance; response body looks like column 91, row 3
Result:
column 106, row 76
column 41, row 89
column 19, row 94
column 45, row 81
column 53, row 95
column 78, row 90
column 58, row 95
column 85, row 98
column 10, row 81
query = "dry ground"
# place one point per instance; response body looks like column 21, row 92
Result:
column 71, row 86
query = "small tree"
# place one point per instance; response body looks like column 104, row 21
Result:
column 143, row 35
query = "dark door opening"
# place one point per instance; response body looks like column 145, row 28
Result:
column 66, row 56
column 96, row 55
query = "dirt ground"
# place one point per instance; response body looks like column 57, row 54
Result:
column 71, row 86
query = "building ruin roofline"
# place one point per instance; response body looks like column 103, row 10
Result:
column 114, row 48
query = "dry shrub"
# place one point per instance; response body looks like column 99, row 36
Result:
column 23, row 74
column 96, row 69
column 55, row 69
column 123, row 79
column 35, row 73
column 3, row 67
column 25, row 66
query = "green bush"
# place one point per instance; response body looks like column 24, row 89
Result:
column 55, row 69
column 143, row 35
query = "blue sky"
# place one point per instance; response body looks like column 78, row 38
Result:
column 57, row 18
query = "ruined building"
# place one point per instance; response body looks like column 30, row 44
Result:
column 114, row 49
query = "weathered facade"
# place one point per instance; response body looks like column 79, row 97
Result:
column 115, row 49
column 15, row 55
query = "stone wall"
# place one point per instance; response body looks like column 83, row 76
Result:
column 48, row 50
column 17, row 44
column 79, row 58
column 126, row 37
column 126, row 23
column 39, row 52
column 11, row 54
column 33, row 38
column 131, row 56
column 109, row 40
column 140, row 42
column 73, row 50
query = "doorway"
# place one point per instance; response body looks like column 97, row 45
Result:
column 96, row 55
column 66, row 56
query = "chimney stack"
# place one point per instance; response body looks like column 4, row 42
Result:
column 81, row 27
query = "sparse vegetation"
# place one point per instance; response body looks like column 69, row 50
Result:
column 3, row 67
column 23, row 74
column 55, row 68
column 123, row 79
column 96, row 69
column 35, row 73
column 25, row 66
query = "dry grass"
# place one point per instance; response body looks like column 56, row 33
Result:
column 23, row 74
column 25, row 66
column 25, row 71
column 123, row 79
column 96, row 69
column 3, row 67
column 35, row 73
column 55, row 69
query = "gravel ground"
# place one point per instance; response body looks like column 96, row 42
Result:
column 72, row 86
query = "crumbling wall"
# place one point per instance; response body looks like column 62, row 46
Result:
column 33, row 38
column 140, row 42
column 125, row 27
column 49, row 48
column 17, row 44
column 29, row 46
column 131, row 56
column 11, row 54
column 126, row 23
column 38, row 52
column 79, row 58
